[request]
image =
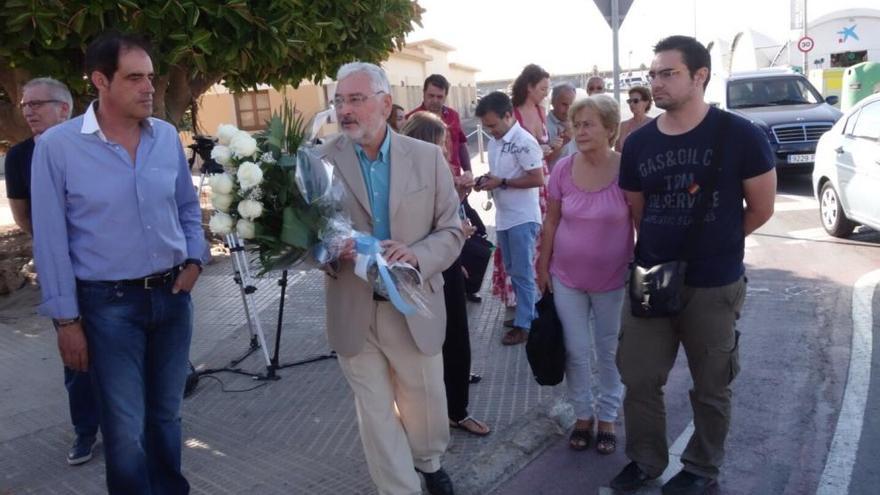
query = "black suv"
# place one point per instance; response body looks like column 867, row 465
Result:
column 789, row 110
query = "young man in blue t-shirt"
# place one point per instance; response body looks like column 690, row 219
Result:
column 665, row 167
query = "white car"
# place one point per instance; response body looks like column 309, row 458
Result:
column 846, row 177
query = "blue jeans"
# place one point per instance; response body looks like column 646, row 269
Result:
column 138, row 348
column 518, row 252
column 83, row 405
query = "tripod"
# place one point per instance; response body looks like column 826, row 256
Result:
column 242, row 276
column 274, row 364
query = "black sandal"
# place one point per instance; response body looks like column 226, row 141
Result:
column 606, row 442
column 580, row 439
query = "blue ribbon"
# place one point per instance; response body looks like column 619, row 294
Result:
column 368, row 246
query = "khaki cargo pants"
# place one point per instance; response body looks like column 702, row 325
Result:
column 706, row 328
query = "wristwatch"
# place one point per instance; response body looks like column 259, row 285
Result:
column 193, row 261
column 503, row 183
column 65, row 322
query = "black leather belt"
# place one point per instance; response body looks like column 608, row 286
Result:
column 161, row 279
column 379, row 297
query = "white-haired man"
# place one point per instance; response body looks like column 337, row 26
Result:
column 399, row 190
column 46, row 102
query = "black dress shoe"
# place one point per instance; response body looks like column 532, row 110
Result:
column 438, row 482
column 81, row 451
column 474, row 298
column 474, row 378
column 685, row 483
column 630, row 479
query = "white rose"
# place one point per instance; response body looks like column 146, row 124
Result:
column 243, row 145
column 225, row 133
column 220, row 183
column 221, row 155
column 220, row 223
column 250, row 209
column 245, row 229
column 249, row 175
column 221, row 202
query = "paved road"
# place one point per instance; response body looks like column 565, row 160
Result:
column 795, row 350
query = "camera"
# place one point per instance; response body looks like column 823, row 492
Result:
column 202, row 147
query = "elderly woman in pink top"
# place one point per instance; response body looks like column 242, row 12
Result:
column 586, row 246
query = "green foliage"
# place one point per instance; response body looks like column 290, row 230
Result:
column 243, row 43
column 289, row 226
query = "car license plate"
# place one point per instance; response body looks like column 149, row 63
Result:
column 801, row 158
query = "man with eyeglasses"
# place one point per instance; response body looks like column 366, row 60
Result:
column 400, row 191
column 46, row 102
column 693, row 158
column 595, row 86
column 558, row 130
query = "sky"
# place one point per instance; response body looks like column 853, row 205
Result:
column 566, row 36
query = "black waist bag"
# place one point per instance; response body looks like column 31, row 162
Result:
column 656, row 290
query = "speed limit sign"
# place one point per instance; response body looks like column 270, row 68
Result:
column 806, row 44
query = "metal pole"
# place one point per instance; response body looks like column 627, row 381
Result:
column 615, row 27
column 806, row 67
column 480, row 140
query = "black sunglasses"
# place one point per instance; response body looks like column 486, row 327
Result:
column 634, row 100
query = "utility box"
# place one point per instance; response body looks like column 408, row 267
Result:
column 859, row 81
column 829, row 82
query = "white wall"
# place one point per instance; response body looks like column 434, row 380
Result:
column 828, row 40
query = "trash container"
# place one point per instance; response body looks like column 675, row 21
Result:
column 859, row 81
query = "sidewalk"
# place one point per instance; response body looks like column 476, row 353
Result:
column 297, row 435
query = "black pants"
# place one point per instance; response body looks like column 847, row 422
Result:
column 457, row 347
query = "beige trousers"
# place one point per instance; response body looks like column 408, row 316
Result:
column 391, row 370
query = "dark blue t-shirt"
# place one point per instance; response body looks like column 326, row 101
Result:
column 18, row 170
column 665, row 168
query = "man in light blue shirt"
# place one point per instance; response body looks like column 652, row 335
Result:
column 117, row 243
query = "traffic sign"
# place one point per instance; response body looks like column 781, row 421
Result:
column 605, row 8
column 806, row 44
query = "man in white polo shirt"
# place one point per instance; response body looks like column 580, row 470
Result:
column 515, row 174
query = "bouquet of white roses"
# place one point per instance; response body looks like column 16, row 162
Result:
column 275, row 192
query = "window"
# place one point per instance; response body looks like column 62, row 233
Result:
column 850, row 123
column 868, row 125
column 252, row 110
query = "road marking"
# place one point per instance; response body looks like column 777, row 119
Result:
column 802, row 236
column 845, row 444
column 672, row 468
column 799, row 199
column 794, row 206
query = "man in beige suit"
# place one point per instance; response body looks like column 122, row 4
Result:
column 399, row 190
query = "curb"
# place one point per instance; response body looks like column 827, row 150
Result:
column 514, row 448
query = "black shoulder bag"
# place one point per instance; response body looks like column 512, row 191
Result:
column 655, row 291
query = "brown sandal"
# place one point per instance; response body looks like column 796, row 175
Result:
column 472, row 426
column 606, row 442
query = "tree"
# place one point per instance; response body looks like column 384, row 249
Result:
column 196, row 44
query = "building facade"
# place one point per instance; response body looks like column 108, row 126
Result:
column 406, row 69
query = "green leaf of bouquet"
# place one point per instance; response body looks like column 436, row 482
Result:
column 293, row 230
column 287, row 161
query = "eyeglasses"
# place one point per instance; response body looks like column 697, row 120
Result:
column 663, row 75
column 354, row 100
column 634, row 100
column 36, row 104
column 595, row 88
